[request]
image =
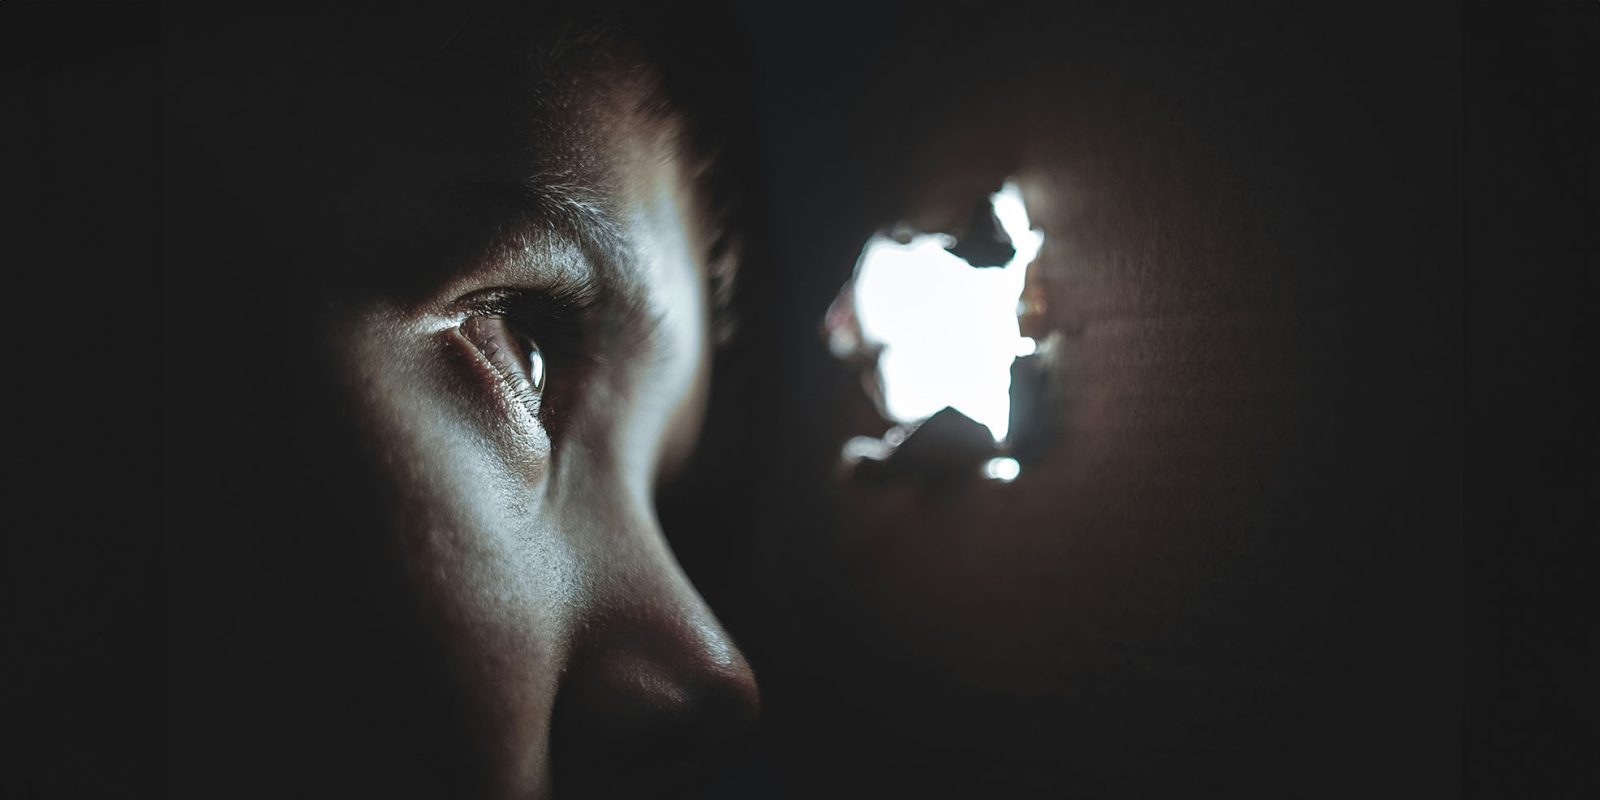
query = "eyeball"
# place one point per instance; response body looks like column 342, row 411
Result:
column 515, row 355
column 535, row 363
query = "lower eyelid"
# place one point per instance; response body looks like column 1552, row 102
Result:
column 492, row 351
column 510, row 424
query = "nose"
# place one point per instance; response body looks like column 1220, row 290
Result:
column 653, row 697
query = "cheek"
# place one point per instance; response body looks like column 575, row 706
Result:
column 495, row 596
column 489, row 578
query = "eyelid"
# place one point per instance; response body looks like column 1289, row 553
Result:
column 564, row 298
column 492, row 338
column 516, row 419
column 562, row 322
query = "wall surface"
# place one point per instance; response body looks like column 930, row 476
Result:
column 1237, row 568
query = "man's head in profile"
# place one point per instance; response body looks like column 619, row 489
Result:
column 439, row 291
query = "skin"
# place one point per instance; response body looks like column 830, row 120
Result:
column 394, row 566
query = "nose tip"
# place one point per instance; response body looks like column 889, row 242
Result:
column 649, row 700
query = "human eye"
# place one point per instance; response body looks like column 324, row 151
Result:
column 514, row 354
column 531, row 338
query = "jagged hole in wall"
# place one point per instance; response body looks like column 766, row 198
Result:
column 944, row 332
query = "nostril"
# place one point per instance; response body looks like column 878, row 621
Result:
column 652, row 702
column 641, row 704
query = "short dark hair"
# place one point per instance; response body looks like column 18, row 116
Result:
column 691, row 58
column 699, row 75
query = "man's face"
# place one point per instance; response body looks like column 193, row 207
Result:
column 440, row 552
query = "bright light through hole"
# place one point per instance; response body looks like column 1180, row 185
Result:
column 948, row 330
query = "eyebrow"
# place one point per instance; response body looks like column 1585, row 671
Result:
column 569, row 207
column 573, row 207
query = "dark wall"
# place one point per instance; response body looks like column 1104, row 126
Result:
column 1238, row 569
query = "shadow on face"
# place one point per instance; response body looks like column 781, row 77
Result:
column 437, row 331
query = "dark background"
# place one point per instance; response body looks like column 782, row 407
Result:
column 1420, row 639
column 1262, row 598
column 1392, row 605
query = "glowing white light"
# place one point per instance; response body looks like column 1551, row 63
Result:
column 1004, row 470
column 948, row 330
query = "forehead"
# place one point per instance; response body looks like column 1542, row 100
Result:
column 407, row 164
